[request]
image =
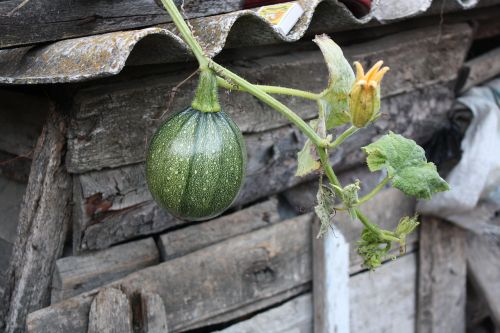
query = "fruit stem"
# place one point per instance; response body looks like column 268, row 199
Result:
column 206, row 98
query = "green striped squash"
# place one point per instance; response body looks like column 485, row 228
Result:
column 196, row 164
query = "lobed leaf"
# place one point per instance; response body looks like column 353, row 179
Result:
column 406, row 165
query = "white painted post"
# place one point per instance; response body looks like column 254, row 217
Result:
column 330, row 282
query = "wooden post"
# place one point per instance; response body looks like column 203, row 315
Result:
column 330, row 282
column 43, row 219
column 154, row 316
column 442, row 278
column 110, row 312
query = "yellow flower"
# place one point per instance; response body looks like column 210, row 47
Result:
column 364, row 98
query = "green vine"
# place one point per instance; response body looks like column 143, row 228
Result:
column 352, row 101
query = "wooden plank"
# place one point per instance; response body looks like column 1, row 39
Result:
column 42, row 21
column 293, row 316
column 381, row 301
column 43, row 221
column 154, row 317
column 483, row 265
column 271, row 169
column 330, row 282
column 385, row 300
column 186, row 240
column 102, row 113
column 110, row 312
column 442, row 277
column 76, row 274
column 215, row 284
column 480, row 69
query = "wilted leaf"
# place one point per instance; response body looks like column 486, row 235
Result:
column 341, row 79
column 406, row 165
column 307, row 160
column 334, row 116
column 325, row 208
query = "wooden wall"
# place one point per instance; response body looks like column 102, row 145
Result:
column 128, row 254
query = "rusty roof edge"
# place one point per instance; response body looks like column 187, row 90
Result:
column 92, row 57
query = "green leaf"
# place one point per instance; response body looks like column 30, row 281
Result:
column 341, row 78
column 307, row 160
column 406, row 165
column 325, row 208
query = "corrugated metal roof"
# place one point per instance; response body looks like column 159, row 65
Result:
column 85, row 58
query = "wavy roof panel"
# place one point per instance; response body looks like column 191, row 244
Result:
column 92, row 57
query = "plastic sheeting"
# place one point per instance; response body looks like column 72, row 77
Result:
column 474, row 198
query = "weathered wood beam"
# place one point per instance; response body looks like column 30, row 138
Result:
column 116, row 201
column 442, row 277
column 110, row 312
column 43, row 220
column 43, row 21
column 186, row 240
column 380, row 301
column 330, row 282
column 112, row 123
column 293, row 316
column 76, row 274
column 218, row 283
column 154, row 316
column 480, row 69
column 385, row 300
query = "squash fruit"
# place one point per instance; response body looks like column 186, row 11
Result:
column 196, row 164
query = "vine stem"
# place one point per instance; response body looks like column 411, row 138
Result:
column 375, row 190
column 350, row 131
column 272, row 90
column 271, row 101
column 381, row 233
column 186, row 33
column 260, row 92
